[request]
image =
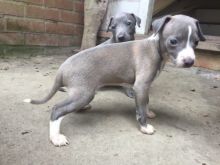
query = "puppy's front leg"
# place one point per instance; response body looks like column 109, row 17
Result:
column 142, row 99
column 130, row 93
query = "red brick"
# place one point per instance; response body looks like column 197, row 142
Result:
column 10, row 8
column 60, row 28
column 11, row 38
column 35, row 26
column 52, row 14
column 35, row 12
column 64, row 29
column 72, row 17
column 60, row 4
column 70, row 41
column 66, row 41
column 77, row 40
column 42, row 13
column 25, row 25
column 37, row 2
column 78, row 18
column 41, row 39
column 78, row 6
column 79, row 30
column 68, row 17
column 2, row 24
column 51, row 27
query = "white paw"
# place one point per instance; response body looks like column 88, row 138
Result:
column 151, row 114
column 149, row 129
column 59, row 140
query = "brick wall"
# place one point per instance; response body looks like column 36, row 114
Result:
column 41, row 22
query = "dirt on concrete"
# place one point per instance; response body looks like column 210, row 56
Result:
column 186, row 101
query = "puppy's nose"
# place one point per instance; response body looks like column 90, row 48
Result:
column 121, row 37
column 188, row 62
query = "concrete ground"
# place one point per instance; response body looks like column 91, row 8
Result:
column 186, row 101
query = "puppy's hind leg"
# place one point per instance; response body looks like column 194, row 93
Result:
column 77, row 99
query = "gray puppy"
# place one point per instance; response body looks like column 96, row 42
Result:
column 133, row 64
column 122, row 27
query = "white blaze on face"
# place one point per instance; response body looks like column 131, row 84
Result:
column 187, row 52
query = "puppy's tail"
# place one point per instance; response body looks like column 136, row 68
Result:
column 52, row 92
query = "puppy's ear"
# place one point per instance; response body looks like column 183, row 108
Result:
column 158, row 24
column 200, row 34
column 110, row 24
column 138, row 20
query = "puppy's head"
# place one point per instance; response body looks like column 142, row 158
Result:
column 179, row 35
column 123, row 25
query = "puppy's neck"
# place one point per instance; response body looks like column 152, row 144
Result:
column 155, row 38
column 162, row 50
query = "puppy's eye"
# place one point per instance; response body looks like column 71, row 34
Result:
column 113, row 26
column 129, row 23
column 173, row 42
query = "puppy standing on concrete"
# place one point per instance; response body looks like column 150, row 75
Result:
column 133, row 64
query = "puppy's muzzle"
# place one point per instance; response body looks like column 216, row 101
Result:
column 121, row 37
column 188, row 62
